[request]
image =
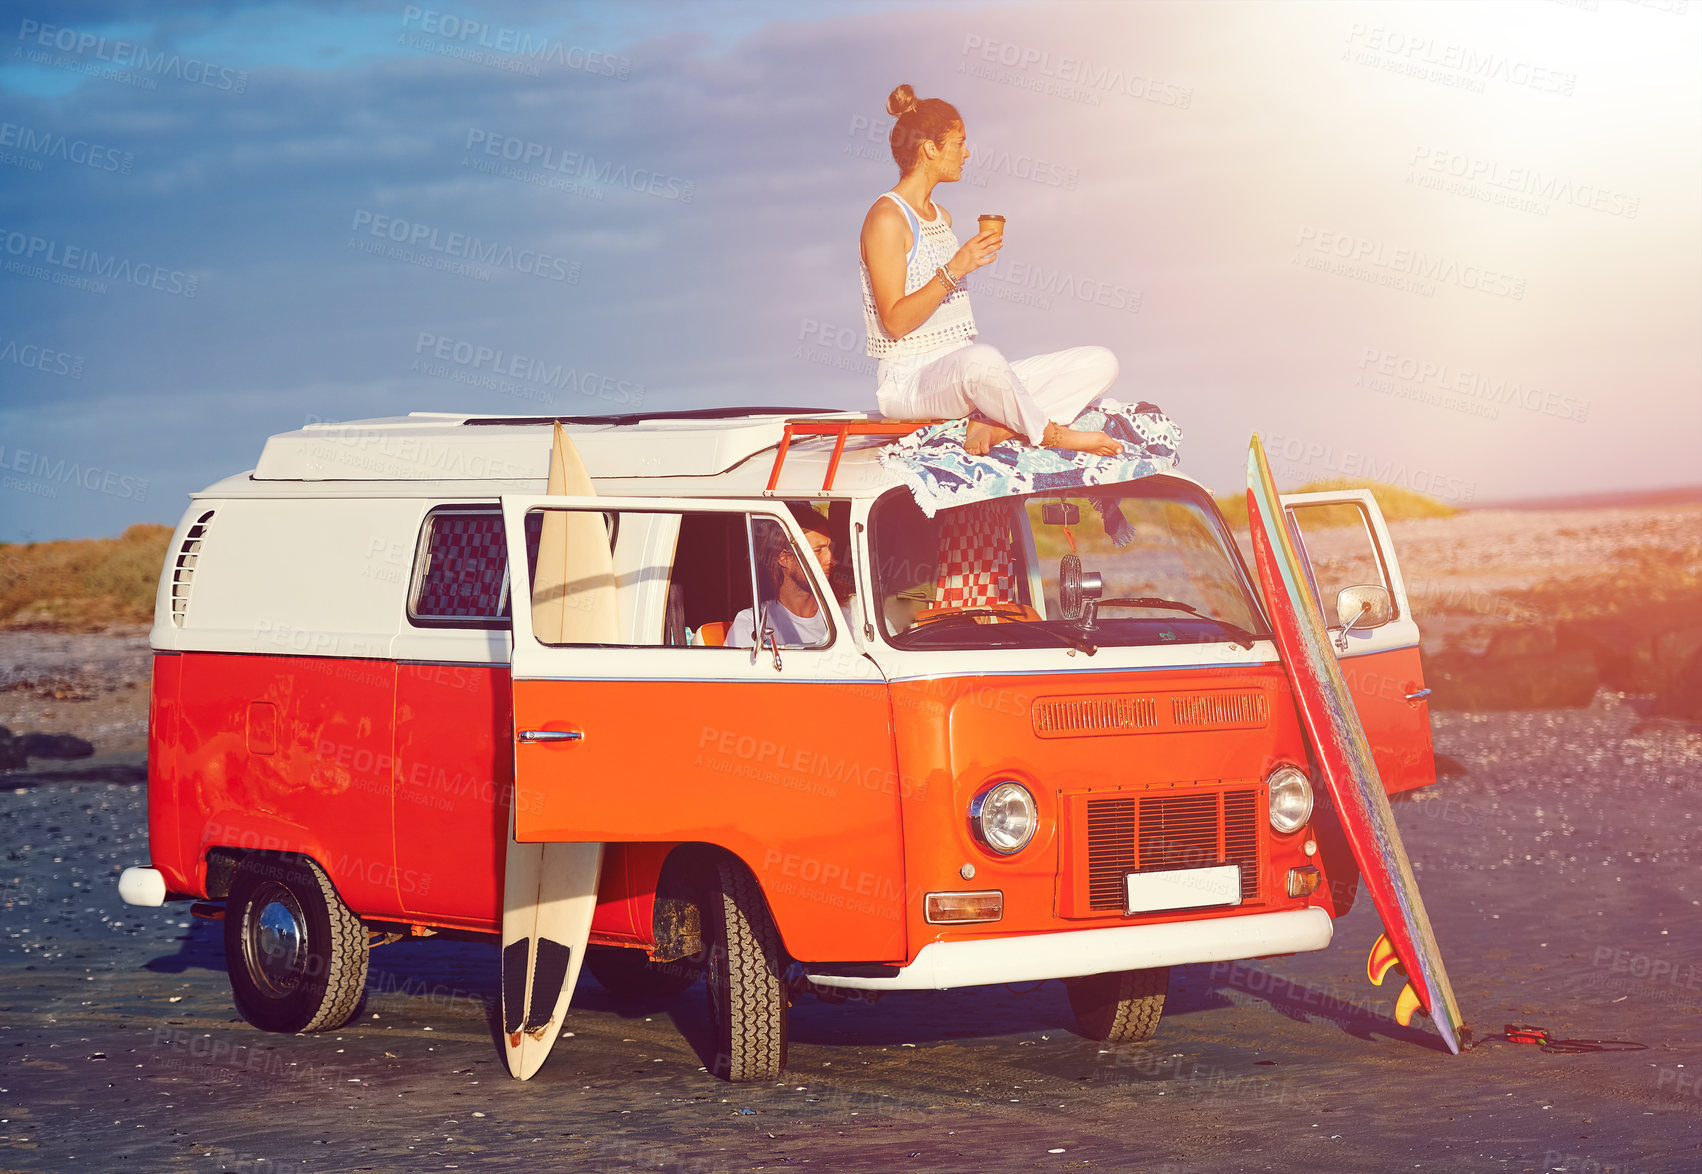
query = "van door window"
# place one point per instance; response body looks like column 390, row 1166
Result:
column 688, row 580
column 791, row 614
column 1342, row 551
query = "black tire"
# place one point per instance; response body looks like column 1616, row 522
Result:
column 746, row 979
column 296, row 954
column 1123, row 1007
column 629, row 974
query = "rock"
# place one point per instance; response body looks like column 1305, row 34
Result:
column 53, row 746
column 1682, row 696
column 1511, row 642
column 1552, row 680
column 1638, row 654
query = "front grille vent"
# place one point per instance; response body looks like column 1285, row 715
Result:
column 1219, row 710
column 1083, row 715
column 183, row 570
column 1196, row 829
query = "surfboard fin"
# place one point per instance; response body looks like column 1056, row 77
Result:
column 1406, row 1005
column 547, row 979
column 515, row 959
column 1382, row 960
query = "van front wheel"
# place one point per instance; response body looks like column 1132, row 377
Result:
column 745, row 976
column 1123, row 1007
column 296, row 954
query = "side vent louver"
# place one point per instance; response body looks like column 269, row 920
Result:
column 183, row 570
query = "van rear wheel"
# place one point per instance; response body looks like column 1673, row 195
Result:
column 746, row 978
column 1123, row 1007
column 297, row 955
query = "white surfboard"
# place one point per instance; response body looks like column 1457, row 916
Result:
column 550, row 890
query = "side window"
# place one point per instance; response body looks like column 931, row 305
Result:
column 709, row 580
column 460, row 570
column 790, row 614
column 679, row 579
column 1342, row 550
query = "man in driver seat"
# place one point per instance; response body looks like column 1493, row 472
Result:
column 792, row 613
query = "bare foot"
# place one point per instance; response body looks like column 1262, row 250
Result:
column 982, row 435
column 1057, row 436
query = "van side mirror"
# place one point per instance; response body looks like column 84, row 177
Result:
column 1363, row 608
column 1060, row 513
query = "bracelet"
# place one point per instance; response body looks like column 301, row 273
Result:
column 944, row 275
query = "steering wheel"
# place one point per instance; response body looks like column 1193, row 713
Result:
column 995, row 612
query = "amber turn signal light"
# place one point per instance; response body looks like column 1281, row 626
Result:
column 988, row 905
column 1303, row 881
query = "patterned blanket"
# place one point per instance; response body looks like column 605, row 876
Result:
column 940, row 474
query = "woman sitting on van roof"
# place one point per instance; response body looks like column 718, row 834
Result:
column 918, row 317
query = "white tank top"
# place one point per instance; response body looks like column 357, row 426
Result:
column 952, row 321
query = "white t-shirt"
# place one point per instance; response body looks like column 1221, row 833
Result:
column 790, row 631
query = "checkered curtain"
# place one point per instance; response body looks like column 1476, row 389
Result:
column 464, row 575
column 976, row 567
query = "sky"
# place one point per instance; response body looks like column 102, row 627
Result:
column 1453, row 247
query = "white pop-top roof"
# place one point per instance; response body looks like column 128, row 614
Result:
column 725, row 452
column 728, row 452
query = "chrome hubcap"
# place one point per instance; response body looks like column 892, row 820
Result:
column 276, row 941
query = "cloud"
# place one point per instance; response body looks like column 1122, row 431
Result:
column 1242, row 202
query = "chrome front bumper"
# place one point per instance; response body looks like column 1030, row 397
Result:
column 1032, row 957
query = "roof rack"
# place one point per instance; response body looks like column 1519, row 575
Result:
column 840, row 428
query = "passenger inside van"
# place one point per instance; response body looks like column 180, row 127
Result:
column 792, row 613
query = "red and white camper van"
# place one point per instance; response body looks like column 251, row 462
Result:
column 1097, row 778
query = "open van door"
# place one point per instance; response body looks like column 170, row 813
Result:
column 1357, row 581
column 781, row 754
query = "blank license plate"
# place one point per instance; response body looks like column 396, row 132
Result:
column 1183, row 888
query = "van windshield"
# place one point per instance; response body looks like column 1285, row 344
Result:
column 1143, row 563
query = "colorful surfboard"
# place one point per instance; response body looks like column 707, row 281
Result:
column 1344, row 756
column 550, row 890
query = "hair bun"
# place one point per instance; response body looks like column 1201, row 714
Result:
column 901, row 101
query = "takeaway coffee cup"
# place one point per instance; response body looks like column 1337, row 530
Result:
column 991, row 222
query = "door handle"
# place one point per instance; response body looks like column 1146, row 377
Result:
column 1418, row 696
column 552, row 735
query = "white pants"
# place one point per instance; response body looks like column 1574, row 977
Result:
column 974, row 377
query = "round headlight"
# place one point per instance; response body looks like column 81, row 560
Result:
column 1004, row 818
column 1291, row 799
